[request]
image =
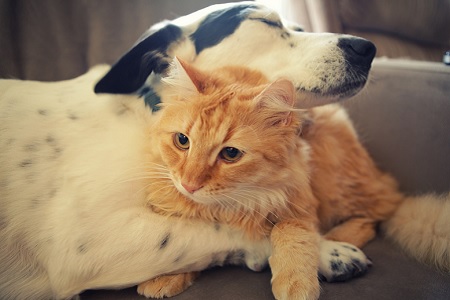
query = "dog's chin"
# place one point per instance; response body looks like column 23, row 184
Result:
column 347, row 90
column 308, row 98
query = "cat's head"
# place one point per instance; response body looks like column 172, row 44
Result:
column 229, row 137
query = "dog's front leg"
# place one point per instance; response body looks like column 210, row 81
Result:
column 295, row 260
column 138, row 245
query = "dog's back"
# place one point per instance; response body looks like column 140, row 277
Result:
column 44, row 128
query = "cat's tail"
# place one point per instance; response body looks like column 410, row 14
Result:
column 421, row 226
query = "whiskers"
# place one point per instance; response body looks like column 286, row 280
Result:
column 258, row 204
column 249, row 206
column 143, row 177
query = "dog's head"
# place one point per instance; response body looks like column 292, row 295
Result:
column 324, row 67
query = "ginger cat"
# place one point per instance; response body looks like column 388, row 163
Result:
column 232, row 149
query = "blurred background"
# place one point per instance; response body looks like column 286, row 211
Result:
column 54, row 40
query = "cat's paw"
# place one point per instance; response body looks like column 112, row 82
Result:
column 341, row 261
column 292, row 285
column 167, row 285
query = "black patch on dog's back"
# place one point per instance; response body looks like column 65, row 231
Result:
column 218, row 25
column 148, row 55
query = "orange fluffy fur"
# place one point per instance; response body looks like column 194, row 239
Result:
column 303, row 172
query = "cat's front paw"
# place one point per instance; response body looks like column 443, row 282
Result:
column 294, row 286
column 341, row 261
column 167, row 285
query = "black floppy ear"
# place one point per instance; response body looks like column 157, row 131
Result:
column 149, row 55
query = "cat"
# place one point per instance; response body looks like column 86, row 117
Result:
column 234, row 150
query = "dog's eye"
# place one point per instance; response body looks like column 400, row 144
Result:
column 181, row 141
column 230, row 154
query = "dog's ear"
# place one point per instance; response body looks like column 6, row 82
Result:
column 149, row 55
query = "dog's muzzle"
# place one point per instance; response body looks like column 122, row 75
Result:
column 358, row 53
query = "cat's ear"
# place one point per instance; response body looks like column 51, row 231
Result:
column 185, row 78
column 278, row 99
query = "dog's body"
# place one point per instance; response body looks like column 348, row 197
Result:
column 73, row 213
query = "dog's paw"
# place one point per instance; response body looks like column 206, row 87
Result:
column 257, row 258
column 167, row 285
column 341, row 261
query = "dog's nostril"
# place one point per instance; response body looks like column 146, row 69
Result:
column 362, row 47
column 357, row 50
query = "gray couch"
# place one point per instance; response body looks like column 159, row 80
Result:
column 403, row 117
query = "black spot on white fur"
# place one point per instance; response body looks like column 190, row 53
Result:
column 341, row 262
column 285, row 35
column 82, row 248
column 179, row 258
column 50, row 139
column 43, row 112
column 164, row 241
column 72, row 116
column 26, row 163
column 34, row 147
column 56, row 148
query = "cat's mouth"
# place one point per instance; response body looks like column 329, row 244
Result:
column 193, row 195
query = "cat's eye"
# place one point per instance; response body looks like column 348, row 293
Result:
column 230, row 154
column 181, row 141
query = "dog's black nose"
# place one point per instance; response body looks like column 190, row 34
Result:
column 357, row 51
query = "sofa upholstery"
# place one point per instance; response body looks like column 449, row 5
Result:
column 402, row 117
column 414, row 29
column 56, row 40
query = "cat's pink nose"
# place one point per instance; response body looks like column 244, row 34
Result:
column 191, row 188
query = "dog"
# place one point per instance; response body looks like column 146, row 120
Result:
column 72, row 220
